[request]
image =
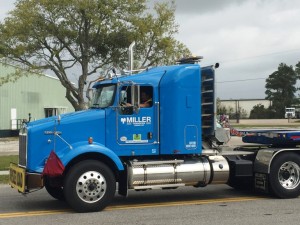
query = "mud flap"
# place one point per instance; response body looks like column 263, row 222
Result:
column 261, row 182
column 54, row 167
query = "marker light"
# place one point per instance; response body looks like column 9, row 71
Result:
column 90, row 140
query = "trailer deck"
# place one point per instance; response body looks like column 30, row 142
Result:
column 274, row 137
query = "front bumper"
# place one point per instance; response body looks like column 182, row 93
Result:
column 24, row 181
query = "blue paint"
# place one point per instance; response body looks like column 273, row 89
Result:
column 171, row 126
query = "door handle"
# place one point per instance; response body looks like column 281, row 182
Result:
column 149, row 135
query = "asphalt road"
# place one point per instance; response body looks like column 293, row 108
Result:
column 215, row 204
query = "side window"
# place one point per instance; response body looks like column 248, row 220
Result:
column 126, row 107
column 146, row 96
column 126, row 99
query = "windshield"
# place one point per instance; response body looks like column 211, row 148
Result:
column 289, row 109
column 103, row 96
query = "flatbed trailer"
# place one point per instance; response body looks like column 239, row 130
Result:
column 275, row 137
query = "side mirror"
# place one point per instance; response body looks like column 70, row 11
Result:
column 123, row 96
column 91, row 92
column 135, row 97
column 123, row 108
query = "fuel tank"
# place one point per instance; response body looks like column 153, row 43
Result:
column 173, row 173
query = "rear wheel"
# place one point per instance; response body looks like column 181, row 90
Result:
column 285, row 175
column 89, row 186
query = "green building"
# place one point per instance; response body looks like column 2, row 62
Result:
column 30, row 97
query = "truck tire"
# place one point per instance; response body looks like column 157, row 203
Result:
column 89, row 186
column 55, row 192
column 284, row 178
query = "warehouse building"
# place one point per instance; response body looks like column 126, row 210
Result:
column 30, row 97
column 245, row 105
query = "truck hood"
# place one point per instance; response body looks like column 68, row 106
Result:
column 72, row 128
column 77, row 125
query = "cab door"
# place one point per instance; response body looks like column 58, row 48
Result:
column 137, row 127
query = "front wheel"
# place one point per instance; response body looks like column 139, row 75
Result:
column 285, row 175
column 56, row 191
column 89, row 186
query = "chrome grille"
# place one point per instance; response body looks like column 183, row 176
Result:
column 23, row 149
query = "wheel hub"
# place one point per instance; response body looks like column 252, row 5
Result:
column 286, row 175
column 289, row 175
column 91, row 186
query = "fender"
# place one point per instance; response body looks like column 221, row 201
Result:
column 265, row 157
column 82, row 148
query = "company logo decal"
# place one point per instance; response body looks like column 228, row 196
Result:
column 136, row 121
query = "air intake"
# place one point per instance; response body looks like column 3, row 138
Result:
column 189, row 60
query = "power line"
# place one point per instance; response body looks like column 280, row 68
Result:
column 232, row 81
column 252, row 57
column 256, row 56
column 263, row 55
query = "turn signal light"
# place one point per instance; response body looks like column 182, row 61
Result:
column 90, row 140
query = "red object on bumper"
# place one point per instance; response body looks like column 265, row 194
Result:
column 54, row 166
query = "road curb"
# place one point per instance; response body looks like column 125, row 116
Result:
column 6, row 172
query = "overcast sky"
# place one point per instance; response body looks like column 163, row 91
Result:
column 249, row 38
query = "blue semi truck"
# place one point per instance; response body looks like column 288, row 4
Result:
column 82, row 157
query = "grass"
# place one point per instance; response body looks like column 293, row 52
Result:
column 4, row 179
column 6, row 160
column 4, row 165
column 6, row 139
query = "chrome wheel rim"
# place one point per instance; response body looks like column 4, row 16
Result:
column 91, row 186
column 289, row 175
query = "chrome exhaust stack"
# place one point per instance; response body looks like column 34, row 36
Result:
column 130, row 55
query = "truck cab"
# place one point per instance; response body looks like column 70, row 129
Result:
column 290, row 113
column 79, row 157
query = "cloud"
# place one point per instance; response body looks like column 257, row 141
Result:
column 249, row 38
column 190, row 7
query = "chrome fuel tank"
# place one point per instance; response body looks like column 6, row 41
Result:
column 173, row 173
